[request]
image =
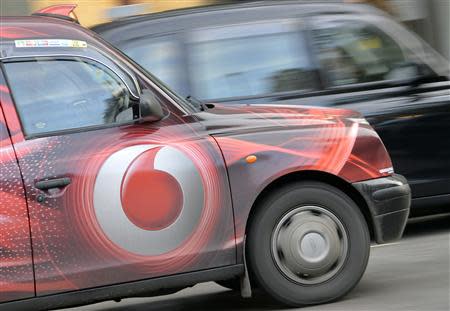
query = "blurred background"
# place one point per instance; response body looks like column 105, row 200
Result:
column 428, row 18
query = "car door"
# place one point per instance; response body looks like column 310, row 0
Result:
column 16, row 265
column 112, row 198
column 363, row 60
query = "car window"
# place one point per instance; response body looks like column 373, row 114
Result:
column 249, row 60
column 66, row 93
column 160, row 56
column 357, row 52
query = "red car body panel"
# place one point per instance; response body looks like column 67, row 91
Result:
column 95, row 232
column 16, row 265
column 289, row 140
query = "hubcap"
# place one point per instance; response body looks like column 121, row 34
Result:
column 309, row 245
column 313, row 247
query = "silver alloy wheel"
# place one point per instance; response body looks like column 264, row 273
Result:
column 309, row 245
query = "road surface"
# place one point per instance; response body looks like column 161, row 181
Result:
column 413, row 274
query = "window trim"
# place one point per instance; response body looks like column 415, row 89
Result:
column 64, row 131
column 358, row 87
column 80, row 129
column 285, row 94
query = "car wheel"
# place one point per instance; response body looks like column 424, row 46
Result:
column 307, row 243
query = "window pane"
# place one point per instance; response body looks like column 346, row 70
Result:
column 54, row 95
column 353, row 52
column 256, row 63
column 162, row 58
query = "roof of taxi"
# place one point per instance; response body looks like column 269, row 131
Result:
column 216, row 14
column 39, row 27
column 307, row 6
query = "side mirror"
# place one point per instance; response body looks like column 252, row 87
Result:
column 149, row 107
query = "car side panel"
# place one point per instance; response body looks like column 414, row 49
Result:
column 75, row 248
column 16, row 265
column 339, row 148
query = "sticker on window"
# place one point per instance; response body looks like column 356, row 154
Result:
column 48, row 43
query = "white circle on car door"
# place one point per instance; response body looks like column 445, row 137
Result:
column 148, row 199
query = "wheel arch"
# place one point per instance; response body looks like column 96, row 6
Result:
column 311, row 175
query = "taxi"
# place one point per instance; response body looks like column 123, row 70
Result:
column 113, row 186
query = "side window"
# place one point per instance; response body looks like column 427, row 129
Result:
column 249, row 60
column 357, row 52
column 66, row 93
column 160, row 56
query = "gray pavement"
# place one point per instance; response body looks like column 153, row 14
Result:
column 413, row 274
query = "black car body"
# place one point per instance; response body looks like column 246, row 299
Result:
column 321, row 54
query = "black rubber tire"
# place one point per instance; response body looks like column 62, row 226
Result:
column 233, row 284
column 264, row 270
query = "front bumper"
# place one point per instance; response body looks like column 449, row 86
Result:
column 388, row 200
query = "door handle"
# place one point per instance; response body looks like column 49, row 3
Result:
column 53, row 183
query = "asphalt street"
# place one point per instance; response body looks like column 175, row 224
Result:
column 413, row 274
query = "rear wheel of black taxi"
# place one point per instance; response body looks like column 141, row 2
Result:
column 307, row 243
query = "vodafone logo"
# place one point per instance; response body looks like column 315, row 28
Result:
column 148, row 198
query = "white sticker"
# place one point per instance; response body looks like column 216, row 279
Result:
column 48, row 43
column 387, row 170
